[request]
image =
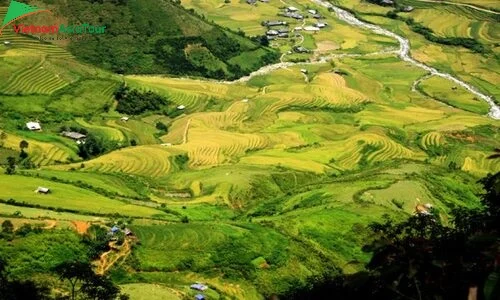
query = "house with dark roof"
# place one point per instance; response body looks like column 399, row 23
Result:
column 73, row 135
column 273, row 23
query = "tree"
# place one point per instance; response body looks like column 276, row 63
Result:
column 97, row 239
column 420, row 258
column 23, row 144
column 3, row 137
column 93, row 146
column 20, row 290
column 11, row 165
column 83, row 280
column 100, row 288
column 76, row 273
column 7, row 226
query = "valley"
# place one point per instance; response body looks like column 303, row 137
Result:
column 256, row 184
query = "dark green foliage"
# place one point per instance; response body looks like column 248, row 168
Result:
column 181, row 160
column 11, row 166
column 37, row 251
column 84, row 281
column 420, row 258
column 96, row 239
column 7, row 226
column 153, row 37
column 95, row 145
column 12, row 289
column 161, row 126
column 184, row 219
column 134, row 102
column 23, row 144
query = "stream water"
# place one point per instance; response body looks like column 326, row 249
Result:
column 403, row 53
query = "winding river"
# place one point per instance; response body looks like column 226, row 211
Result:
column 403, row 52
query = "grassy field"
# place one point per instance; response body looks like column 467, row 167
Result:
column 140, row 291
column 22, row 189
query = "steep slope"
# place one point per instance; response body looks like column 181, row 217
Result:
column 148, row 36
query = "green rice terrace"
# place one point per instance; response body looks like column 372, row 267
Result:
column 214, row 148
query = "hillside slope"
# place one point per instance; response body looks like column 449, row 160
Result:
column 155, row 37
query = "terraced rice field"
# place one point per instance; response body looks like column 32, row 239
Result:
column 432, row 139
column 150, row 161
column 36, row 79
column 178, row 240
column 449, row 20
column 41, row 153
column 477, row 162
column 109, row 132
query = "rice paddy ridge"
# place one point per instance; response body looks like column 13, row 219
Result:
column 41, row 153
column 34, row 80
column 404, row 54
column 130, row 160
column 432, row 139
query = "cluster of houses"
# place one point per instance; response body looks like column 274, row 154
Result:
column 115, row 229
column 292, row 12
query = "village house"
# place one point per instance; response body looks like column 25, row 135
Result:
column 283, row 35
column 78, row 137
column 311, row 28
column 320, row 25
column 6, row 43
column 34, row 126
column 264, row 1
column 300, row 49
column 387, row 2
column 273, row 23
column 407, row 9
column 199, row 287
column 293, row 15
column 299, row 28
column 312, row 11
column 199, row 297
column 317, row 16
column 42, row 190
column 292, row 9
column 124, row 119
column 181, row 107
column 251, row 2
column 272, row 32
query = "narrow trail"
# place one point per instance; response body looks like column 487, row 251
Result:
column 104, row 265
column 461, row 4
column 185, row 137
column 50, row 224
